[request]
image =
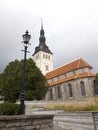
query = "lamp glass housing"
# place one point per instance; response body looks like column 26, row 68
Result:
column 26, row 38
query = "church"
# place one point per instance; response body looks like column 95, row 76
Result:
column 72, row 81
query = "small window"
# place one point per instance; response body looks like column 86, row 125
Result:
column 58, row 77
column 83, row 69
column 47, row 68
column 74, row 72
column 43, row 55
column 49, row 57
column 37, row 57
column 46, row 56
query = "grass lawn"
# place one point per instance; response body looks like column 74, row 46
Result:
column 89, row 105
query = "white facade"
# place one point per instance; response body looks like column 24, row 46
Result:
column 44, row 61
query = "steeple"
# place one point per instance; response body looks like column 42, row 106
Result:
column 42, row 55
column 41, row 23
column 42, row 38
column 42, row 42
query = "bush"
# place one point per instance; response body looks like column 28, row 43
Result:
column 9, row 109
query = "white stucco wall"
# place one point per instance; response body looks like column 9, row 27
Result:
column 43, row 59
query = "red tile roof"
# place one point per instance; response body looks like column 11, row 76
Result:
column 78, row 76
column 80, row 63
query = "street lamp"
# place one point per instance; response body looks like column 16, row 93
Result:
column 26, row 39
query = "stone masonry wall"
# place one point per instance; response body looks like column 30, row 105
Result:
column 77, row 121
column 26, row 122
column 95, row 119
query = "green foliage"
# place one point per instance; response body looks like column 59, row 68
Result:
column 10, row 81
column 9, row 109
column 96, row 84
column 36, row 84
column 97, row 78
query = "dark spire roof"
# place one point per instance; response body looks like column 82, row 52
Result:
column 42, row 42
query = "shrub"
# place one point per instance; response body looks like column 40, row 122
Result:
column 9, row 109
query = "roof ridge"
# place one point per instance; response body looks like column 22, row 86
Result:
column 86, row 63
column 78, row 63
column 65, row 65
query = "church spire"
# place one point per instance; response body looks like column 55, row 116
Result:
column 41, row 24
column 42, row 42
column 42, row 30
column 42, row 38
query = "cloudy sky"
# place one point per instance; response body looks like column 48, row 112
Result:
column 71, row 29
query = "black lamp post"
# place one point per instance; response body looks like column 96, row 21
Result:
column 26, row 39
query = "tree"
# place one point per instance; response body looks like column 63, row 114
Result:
column 97, row 78
column 96, row 84
column 10, row 81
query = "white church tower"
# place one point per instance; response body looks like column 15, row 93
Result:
column 42, row 56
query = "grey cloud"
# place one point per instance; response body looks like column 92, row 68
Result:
column 71, row 32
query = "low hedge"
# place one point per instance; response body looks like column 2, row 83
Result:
column 9, row 109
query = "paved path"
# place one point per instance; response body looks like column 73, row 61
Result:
column 57, row 128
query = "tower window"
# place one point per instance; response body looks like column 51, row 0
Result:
column 43, row 55
column 49, row 57
column 37, row 57
column 47, row 67
column 46, row 56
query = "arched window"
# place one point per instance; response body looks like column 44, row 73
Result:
column 58, row 92
column 70, row 90
column 82, row 86
column 95, row 87
column 51, row 97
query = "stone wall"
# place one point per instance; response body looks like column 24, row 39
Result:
column 95, row 119
column 77, row 121
column 76, row 90
column 26, row 122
